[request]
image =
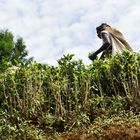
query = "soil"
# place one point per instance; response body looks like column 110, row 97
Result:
column 113, row 132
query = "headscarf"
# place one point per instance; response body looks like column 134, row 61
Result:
column 116, row 34
column 118, row 41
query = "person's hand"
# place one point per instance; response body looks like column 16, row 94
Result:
column 92, row 56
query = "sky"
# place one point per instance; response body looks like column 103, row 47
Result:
column 53, row 28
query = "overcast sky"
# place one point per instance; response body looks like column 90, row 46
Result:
column 52, row 28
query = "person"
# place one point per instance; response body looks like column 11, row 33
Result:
column 113, row 42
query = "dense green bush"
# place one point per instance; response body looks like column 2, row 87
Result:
column 39, row 98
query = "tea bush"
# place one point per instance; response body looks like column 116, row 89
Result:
column 41, row 99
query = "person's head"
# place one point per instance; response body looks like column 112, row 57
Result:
column 101, row 28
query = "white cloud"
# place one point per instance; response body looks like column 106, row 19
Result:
column 52, row 28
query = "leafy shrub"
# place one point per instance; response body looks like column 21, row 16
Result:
column 48, row 98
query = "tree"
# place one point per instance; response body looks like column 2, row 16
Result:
column 10, row 50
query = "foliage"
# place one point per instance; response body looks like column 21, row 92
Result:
column 12, row 50
column 41, row 99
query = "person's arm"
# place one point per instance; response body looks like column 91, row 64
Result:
column 106, row 44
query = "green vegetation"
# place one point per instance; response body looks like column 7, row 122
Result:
column 39, row 101
column 11, row 49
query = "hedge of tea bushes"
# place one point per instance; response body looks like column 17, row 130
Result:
column 52, row 96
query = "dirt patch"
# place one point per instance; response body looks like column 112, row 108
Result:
column 119, row 132
column 114, row 132
column 77, row 137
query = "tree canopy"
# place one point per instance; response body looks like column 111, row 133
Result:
column 12, row 50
